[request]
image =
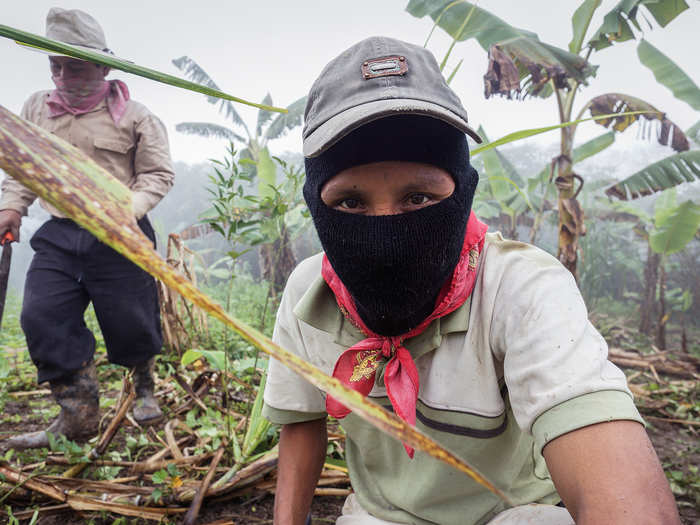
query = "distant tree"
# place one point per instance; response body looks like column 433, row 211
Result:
column 520, row 65
column 277, row 258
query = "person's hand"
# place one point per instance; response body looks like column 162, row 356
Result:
column 10, row 220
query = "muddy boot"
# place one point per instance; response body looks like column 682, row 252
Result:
column 78, row 420
column 146, row 410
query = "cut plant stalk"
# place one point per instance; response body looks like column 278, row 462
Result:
column 83, row 191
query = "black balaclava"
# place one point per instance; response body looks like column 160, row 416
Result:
column 395, row 265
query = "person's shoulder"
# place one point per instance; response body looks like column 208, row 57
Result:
column 137, row 109
column 36, row 100
column 304, row 275
column 39, row 95
column 511, row 265
column 504, row 253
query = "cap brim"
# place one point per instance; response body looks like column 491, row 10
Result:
column 55, row 54
column 349, row 120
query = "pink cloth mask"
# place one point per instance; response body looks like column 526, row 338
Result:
column 78, row 96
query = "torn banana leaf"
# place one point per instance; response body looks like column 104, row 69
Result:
column 522, row 66
column 46, row 44
column 631, row 109
column 83, row 191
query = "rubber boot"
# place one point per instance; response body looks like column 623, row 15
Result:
column 79, row 418
column 146, row 410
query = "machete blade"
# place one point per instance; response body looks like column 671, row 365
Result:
column 5, row 260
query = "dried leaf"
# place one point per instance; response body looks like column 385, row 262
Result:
column 524, row 66
column 668, row 134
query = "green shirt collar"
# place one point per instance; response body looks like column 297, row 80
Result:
column 319, row 309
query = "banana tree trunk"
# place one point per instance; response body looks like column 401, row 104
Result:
column 661, row 330
column 651, row 280
column 571, row 225
column 277, row 261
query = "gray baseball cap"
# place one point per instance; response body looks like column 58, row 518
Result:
column 376, row 78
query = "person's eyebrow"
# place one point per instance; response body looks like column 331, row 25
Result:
column 336, row 192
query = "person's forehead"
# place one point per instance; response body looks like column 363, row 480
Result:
column 391, row 172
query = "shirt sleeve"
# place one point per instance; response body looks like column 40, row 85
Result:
column 153, row 168
column 555, row 362
column 289, row 398
column 16, row 196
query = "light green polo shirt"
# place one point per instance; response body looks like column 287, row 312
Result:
column 513, row 368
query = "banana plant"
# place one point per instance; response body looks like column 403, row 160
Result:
column 85, row 192
column 667, row 231
column 521, row 65
column 276, row 258
column 674, row 227
column 61, row 48
column 499, row 192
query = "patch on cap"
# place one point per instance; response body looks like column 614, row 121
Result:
column 384, row 67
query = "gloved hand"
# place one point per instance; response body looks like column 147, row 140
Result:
column 10, row 220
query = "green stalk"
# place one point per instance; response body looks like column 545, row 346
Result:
column 46, row 44
column 525, row 133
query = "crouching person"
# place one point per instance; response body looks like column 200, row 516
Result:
column 71, row 268
column 482, row 343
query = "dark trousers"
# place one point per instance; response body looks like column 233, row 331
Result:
column 70, row 269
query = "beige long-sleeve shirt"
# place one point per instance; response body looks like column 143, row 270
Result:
column 135, row 151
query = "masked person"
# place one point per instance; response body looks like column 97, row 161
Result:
column 481, row 343
column 71, row 268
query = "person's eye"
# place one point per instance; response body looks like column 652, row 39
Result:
column 417, row 199
column 349, row 204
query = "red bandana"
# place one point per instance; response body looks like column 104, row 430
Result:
column 357, row 366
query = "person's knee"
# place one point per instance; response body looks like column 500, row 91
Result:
column 34, row 318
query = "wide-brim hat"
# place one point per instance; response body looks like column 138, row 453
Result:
column 376, row 78
column 77, row 28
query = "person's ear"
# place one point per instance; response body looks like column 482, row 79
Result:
column 106, row 70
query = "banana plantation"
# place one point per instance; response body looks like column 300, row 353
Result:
column 233, row 228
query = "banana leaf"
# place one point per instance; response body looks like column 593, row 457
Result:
column 523, row 66
column 46, row 44
column 631, row 109
column 208, row 129
column 593, row 146
column 669, row 74
column 83, row 191
column 693, row 132
column 676, row 230
column 267, row 174
column 580, row 22
column 659, row 176
column 196, row 73
column 617, row 24
column 450, row 15
column 516, row 56
column 286, row 121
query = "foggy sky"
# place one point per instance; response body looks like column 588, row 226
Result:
column 250, row 48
